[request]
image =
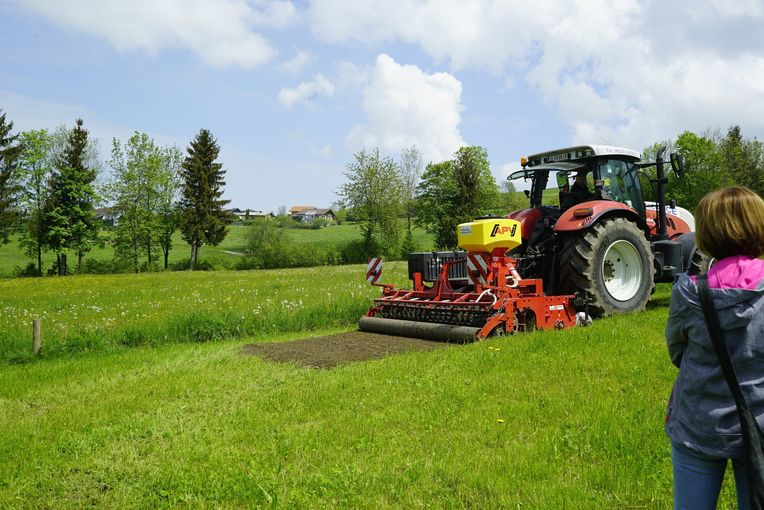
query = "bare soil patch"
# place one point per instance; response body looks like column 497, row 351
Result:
column 329, row 351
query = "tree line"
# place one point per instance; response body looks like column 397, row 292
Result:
column 380, row 191
column 712, row 160
column 49, row 191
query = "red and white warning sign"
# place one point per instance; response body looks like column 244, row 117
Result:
column 374, row 270
column 477, row 268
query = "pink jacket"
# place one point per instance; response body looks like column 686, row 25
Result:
column 738, row 272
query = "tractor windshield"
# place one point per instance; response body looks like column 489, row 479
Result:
column 547, row 180
column 552, row 183
column 621, row 182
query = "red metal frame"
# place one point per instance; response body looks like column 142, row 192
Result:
column 508, row 299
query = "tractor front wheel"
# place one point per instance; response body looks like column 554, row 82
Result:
column 610, row 265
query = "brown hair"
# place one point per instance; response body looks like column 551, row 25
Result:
column 730, row 221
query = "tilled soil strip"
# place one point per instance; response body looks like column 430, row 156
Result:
column 329, row 351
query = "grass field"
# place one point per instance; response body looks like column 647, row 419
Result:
column 102, row 312
column 566, row 419
column 224, row 255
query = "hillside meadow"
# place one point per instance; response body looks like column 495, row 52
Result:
column 144, row 398
column 224, row 256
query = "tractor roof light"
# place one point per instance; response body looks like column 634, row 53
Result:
column 523, row 162
column 583, row 212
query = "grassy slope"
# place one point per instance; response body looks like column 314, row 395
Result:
column 11, row 255
column 203, row 425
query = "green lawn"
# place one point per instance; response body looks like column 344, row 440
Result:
column 562, row 419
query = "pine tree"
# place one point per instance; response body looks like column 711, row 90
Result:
column 203, row 219
column 9, row 189
column 70, row 208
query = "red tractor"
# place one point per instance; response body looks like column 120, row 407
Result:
column 596, row 237
column 591, row 247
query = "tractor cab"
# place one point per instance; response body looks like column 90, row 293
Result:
column 583, row 174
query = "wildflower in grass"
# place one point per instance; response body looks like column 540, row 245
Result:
column 500, row 420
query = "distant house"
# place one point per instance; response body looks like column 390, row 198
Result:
column 297, row 209
column 307, row 214
column 107, row 215
column 249, row 214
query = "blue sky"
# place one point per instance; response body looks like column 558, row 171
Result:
column 292, row 89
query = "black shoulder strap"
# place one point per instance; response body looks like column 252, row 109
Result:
column 715, row 329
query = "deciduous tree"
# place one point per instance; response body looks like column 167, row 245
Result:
column 36, row 169
column 374, row 193
column 170, row 185
column 511, row 199
column 410, row 169
column 454, row 192
column 133, row 189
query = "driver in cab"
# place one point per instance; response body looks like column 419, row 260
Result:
column 577, row 193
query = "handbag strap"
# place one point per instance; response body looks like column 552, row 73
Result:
column 717, row 337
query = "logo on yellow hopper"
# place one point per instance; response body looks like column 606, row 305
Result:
column 503, row 230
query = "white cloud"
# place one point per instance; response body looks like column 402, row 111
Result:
column 306, row 91
column 631, row 71
column 405, row 106
column 295, row 64
column 351, row 77
column 219, row 32
column 325, row 151
column 277, row 14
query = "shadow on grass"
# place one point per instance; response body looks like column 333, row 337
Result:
column 658, row 302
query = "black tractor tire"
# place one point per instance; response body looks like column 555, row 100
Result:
column 610, row 265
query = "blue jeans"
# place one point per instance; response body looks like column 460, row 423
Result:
column 698, row 479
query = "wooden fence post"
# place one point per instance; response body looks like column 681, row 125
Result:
column 36, row 338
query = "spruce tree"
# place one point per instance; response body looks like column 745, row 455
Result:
column 203, row 219
column 70, row 208
column 9, row 189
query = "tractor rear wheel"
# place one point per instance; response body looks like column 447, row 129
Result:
column 610, row 265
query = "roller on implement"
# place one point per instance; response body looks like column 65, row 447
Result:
column 467, row 295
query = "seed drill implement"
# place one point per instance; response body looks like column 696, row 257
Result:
column 467, row 295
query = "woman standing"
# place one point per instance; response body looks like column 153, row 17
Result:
column 702, row 420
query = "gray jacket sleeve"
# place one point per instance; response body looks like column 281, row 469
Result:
column 676, row 335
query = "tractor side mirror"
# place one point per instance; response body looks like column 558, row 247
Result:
column 677, row 164
column 527, row 194
column 562, row 180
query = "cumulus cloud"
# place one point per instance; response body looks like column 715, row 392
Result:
column 306, row 92
column 631, row 71
column 295, row 64
column 406, row 106
column 220, row 33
